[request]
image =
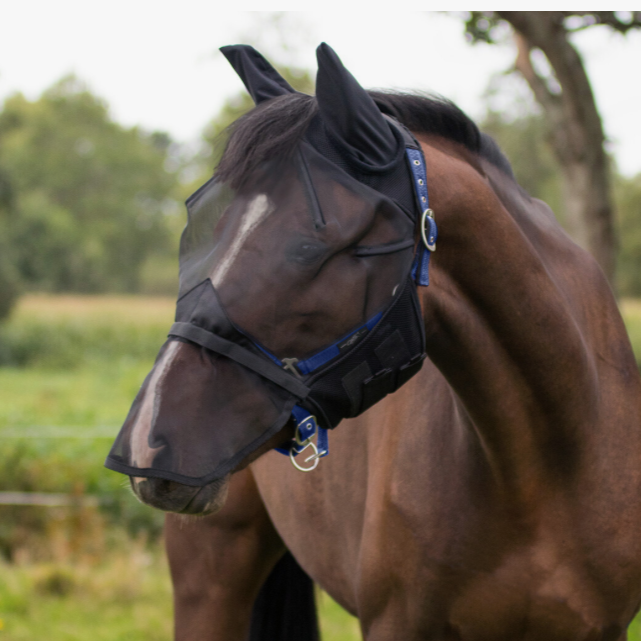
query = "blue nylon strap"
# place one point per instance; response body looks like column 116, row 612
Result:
column 314, row 362
column 420, row 267
column 306, row 427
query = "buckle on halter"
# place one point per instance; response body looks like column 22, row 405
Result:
column 429, row 237
column 306, row 426
column 306, row 429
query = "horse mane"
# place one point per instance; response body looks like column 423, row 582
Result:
column 274, row 128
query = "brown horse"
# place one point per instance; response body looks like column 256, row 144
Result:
column 495, row 496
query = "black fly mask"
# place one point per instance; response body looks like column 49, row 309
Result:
column 297, row 289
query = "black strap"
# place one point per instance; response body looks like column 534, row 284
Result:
column 235, row 352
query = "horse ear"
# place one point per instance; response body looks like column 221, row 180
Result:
column 350, row 115
column 261, row 80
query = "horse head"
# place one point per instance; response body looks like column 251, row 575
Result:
column 296, row 293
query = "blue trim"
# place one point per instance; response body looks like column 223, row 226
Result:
column 418, row 173
column 264, row 351
column 317, row 360
column 306, row 427
column 420, row 267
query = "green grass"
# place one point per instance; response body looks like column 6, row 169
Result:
column 60, row 332
column 72, row 367
column 631, row 310
column 127, row 597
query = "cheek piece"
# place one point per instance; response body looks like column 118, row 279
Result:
column 340, row 381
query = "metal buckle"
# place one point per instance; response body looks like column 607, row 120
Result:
column 314, row 457
column 297, row 437
column 428, row 213
column 303, row 444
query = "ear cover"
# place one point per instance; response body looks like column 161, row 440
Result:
column 351, row 117
column 261, row 80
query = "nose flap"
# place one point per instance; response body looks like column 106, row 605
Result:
column 197, row 415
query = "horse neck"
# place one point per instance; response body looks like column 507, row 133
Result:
column 524, row 328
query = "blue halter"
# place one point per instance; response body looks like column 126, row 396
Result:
column 306, row 425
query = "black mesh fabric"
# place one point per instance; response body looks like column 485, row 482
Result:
column 168, row 435
column 299, row 256
column 331, row 399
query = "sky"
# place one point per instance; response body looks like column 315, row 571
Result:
column 157, row 63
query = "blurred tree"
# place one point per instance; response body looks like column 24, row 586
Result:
column 554, row 71
column 89, row 193
column 522, row 140
column 627, row 196
column 8, row 272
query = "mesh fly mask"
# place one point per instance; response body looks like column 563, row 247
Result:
column 257, row 256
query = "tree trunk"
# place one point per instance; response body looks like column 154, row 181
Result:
column 577, row 132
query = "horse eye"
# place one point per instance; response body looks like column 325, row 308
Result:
column 306, row 253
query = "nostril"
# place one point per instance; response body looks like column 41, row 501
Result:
column 163, row 494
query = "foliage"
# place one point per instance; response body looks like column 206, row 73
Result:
column 524, row 142
column 549, row 62
column 8, row 274
column 627, row 194
column 125, row 596
column 89, row 193
column 58, row 416
column 485, row 26
column 81, row 332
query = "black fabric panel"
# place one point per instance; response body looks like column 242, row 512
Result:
column 328, row 398
column 352, row 118
column 376, row 388
column 353, row 385
column 393, row 352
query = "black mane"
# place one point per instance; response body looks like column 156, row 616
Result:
column 273, row 129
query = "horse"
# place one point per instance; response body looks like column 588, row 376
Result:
column 494, row 495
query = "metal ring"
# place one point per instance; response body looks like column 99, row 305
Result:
column 314, row 457
column 428, row 213
column 417, row 162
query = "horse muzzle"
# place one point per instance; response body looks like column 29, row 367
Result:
column 170, row 496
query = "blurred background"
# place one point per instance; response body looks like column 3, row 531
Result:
column 110, row 116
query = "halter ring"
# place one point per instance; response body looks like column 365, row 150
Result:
column 314, row 457
column 428, row 213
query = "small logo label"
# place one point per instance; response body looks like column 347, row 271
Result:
column 290, row 364
column 353, row 339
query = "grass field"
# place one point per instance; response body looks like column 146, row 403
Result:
column 71, row 367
